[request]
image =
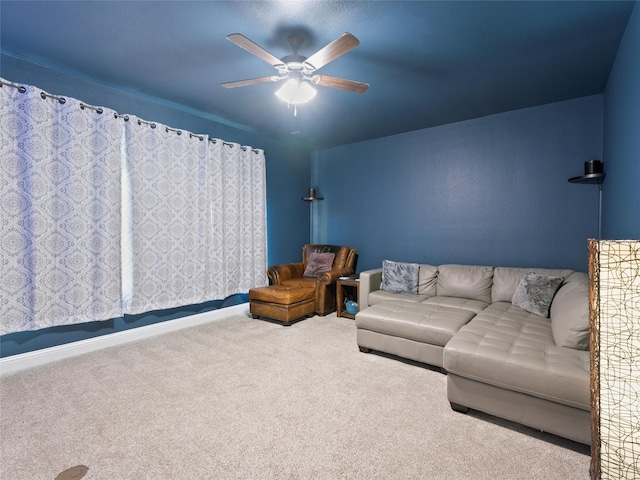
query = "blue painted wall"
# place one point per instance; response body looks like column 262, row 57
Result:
column 621, row 189
column 490, row 191
column 288, row 174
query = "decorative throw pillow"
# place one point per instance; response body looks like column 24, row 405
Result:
column 399, row 277
column 318, row 264
column 535, row 293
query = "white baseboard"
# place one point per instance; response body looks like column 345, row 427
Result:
column 23, row 361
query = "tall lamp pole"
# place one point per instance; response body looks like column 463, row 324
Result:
column 311, row 198
column 593, row 175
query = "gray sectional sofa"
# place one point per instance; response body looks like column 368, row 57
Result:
column 500, row 358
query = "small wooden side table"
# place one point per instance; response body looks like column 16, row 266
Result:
column 347, row 287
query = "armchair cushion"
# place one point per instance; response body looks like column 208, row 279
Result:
column 319, row 263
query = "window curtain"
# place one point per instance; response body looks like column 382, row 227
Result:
column 104, row 214
column 198, row 225
column 238, row 217
column 166, row 252
column 59, row 211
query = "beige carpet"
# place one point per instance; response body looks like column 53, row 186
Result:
column 249, row 399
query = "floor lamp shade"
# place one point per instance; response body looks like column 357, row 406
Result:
column 614, row 314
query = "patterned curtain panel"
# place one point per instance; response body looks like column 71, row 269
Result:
column 238, row 217
column 167, row 255
column 59, row 211
column 197, row 227
column 104, row 214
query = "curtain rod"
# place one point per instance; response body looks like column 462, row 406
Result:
column 96, row 109
column 20, row 88
column 99, row 110
column 151, row 124
column 228, row 144
column 44, row 95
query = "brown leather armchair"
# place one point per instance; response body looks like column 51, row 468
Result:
column 291, row 274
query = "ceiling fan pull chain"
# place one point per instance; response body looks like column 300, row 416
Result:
column 295, row 108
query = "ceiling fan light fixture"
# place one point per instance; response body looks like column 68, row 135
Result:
column 295, row 91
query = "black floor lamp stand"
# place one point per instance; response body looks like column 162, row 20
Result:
column 311, row 198
column 593, row 175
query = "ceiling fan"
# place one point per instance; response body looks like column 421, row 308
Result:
column 299, row 71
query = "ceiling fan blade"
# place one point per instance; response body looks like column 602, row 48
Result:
column 334, row 82
column 244, row 83
column 329, row 53
column 254, row 48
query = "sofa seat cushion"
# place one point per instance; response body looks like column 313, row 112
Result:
column 431, row 324
column 474, row 306
column 509, row 348
column 379, row 296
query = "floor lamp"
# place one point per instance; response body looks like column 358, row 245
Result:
column 614, row 317
column 311, row 198
column 593, row 175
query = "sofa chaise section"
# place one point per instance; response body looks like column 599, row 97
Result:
column 417, row 331
column 505, row 363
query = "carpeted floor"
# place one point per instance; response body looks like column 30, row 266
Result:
column 250, row 399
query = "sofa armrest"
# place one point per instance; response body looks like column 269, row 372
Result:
column 370, row 281
column 287, row 271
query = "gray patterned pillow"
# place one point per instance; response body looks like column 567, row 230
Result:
column 535, row 293
column 399, row 277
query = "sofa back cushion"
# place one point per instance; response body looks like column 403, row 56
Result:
column 570, row 313
column 507, row 279
column 465, row 281
column 428, row 280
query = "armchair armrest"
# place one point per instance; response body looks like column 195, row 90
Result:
column 287, row 271
column 370, row 281
column 331, row 277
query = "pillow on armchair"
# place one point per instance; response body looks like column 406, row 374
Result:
column 318, row 264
